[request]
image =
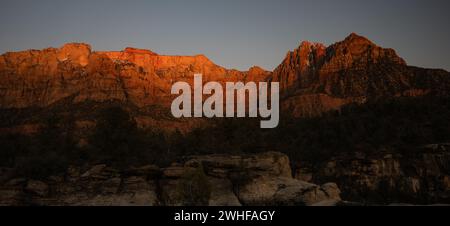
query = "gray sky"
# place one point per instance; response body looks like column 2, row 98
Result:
column 232, row 33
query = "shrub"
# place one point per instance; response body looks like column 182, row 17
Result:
column 194, row 188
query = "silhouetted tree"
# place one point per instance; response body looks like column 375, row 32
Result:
column 115, row 136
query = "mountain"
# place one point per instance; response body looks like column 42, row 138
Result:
column 75, row 75
column 41, row 78
column 314, row 79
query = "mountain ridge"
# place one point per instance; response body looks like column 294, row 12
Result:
column 314, row 78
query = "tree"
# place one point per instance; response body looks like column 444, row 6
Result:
column 115, row 136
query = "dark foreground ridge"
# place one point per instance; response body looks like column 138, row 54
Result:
column 233, row 180
column 216, row 180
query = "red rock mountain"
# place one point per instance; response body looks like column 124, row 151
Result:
column 316, row 79
column 313, row 78
column 43, row 77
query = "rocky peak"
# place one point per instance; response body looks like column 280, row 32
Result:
column 358, row 52
column 353, row 37
column 256, row 70
column 76, row 45
column 310, row 55
column 317, row 79
column 257, row 74
column 75, row 52
column 202, row 59
column 307, row 54
column 310, row 63
column 304, row 61
column 139, row 51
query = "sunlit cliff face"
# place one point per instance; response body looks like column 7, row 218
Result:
column 313, row 78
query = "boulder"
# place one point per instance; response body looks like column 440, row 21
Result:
column 94, row 171
column 139, row 192
column 175, row 171
column 11, row 196
column 131, row 191
column 331, row 190
column 151, row 171
column 170, row 195
column 110, row 186
column 37, row 188
column 73, row 173
column 222, row 193
column 269, row 163
column 285, row 191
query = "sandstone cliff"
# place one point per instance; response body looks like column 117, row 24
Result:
column 41, row 78
column 74, row 75
column 316, row 79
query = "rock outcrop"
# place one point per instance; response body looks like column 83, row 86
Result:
column 420, row 176
column 262, row 179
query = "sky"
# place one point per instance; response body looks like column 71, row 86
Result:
column 232, row 33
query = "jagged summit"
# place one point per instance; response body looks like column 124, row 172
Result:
column 318, row 78
column 356, row 49
column 305, row 44
column 356, row 37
